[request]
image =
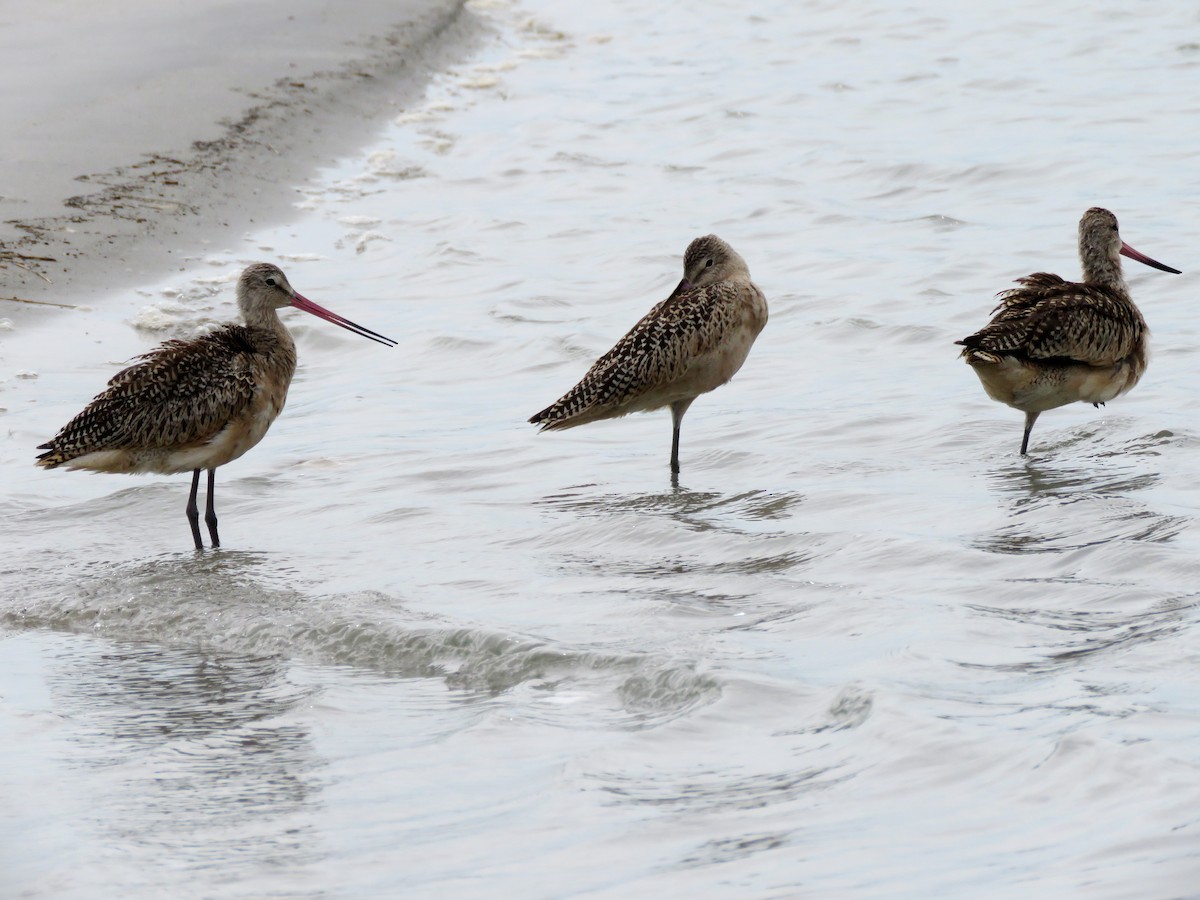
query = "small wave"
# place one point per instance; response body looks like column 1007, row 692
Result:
column 233, row 604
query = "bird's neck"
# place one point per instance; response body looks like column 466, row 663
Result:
column 267, row 320
column 1102, row 269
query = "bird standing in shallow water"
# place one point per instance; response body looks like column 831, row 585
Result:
column 1053, row 342
column 688, row 344
column 198, row 404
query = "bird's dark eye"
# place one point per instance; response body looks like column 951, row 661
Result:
column 708, row 265
column 272, row 282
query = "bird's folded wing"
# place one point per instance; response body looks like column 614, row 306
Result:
column 180, row 394
column 1048, row 318
column 656, row 351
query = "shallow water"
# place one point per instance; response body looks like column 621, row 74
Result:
column 863, row 648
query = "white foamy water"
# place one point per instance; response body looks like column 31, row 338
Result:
column 862, row 649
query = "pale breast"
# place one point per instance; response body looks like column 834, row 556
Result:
column 719, row 350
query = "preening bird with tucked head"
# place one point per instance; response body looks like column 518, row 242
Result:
column 687, row 345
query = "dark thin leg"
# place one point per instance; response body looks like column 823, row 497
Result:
column 210, row 514
column 1030, row 418
column 193, row 512
column 678, row 408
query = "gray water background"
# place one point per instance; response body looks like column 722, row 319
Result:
column 862, row 649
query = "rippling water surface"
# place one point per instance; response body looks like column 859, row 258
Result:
column 862, row 648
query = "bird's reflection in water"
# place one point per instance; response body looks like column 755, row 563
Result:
column 1057, row 504
column 686, row 548
column 1091, row 586
column 697, row 510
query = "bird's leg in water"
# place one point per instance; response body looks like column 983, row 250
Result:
column 210, row 514
column 193, row 512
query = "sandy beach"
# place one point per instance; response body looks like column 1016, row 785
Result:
column 140, row 128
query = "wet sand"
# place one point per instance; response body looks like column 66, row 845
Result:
column 141, row 132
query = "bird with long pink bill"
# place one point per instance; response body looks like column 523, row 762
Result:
column 188, row 406
column 1052, row 342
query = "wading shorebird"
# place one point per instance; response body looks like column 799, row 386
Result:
column 688, row 344
column 198, row 404
column 1052, row 342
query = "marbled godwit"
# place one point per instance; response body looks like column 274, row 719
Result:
column 1052, row 342
column 192, row 405
column 688, row 344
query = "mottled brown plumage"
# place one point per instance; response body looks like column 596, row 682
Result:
column 176, row 398
column 198, row 404
column 1053, row 342
column 687, row 345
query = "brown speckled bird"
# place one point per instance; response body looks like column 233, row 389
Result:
column 198, row 404
column 1053, row 342
column 688, row 344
